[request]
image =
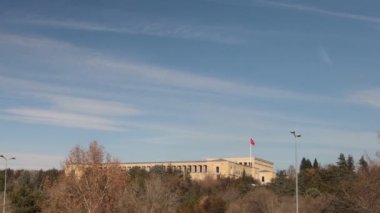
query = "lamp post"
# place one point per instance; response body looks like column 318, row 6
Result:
column 5, row 177
column 296, row 164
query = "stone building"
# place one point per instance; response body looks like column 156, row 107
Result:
column 260, row 169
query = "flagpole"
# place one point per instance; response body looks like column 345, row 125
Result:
column 253, row 168
column 250, row 153
column 251, row 143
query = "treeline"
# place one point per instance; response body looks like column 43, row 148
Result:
column 339, row 187
column 345, row 186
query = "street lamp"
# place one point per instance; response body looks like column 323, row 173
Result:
column 5, row 177
column 296, row 163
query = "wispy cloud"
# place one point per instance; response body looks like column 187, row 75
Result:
column 18, row 85
column 304, row 8
column 91, row 106
column 175, row 78
column 325, row 57
column 71, row 106
column 153, row 28
column 117, row 72
column 33, row 42
column 57, row 109
column 369, row 97
column 58, row 118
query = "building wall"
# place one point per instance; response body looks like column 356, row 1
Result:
column 261, row 169
column 226, row 167
column 198, row 170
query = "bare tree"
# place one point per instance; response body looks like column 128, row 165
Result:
column 259, row 200
column 364, row 192
column 96, row 189
column 94, row 155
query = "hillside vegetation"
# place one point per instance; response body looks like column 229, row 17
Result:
column 343, row 186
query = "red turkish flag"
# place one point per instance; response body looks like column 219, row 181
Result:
column 252, row 142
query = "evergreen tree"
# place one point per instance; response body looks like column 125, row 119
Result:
column 283, row 184
column 303, row 164
column 315, row 164
column 308, row 164
column 342, row 163
column 350, row 163
column 363, row 164
column 346, row 167
column 25, row 200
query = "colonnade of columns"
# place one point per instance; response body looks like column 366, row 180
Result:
column 182, row 168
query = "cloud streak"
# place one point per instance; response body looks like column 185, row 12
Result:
column 63, row 110
column 71, row 107
column 158, row 29
column 115, row 72
column 304, row 8
column 58, row 118
column 325, row 57
column 91, row 106
column 33, row 42
column 174, row 78
column 370, row 97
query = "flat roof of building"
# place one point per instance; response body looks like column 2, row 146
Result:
column 190, row 161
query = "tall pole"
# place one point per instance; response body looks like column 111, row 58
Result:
column 250, row 154
column 251, row 143
column 5, row 178
column 296, row 164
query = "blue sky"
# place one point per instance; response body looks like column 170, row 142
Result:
column 188, row 80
